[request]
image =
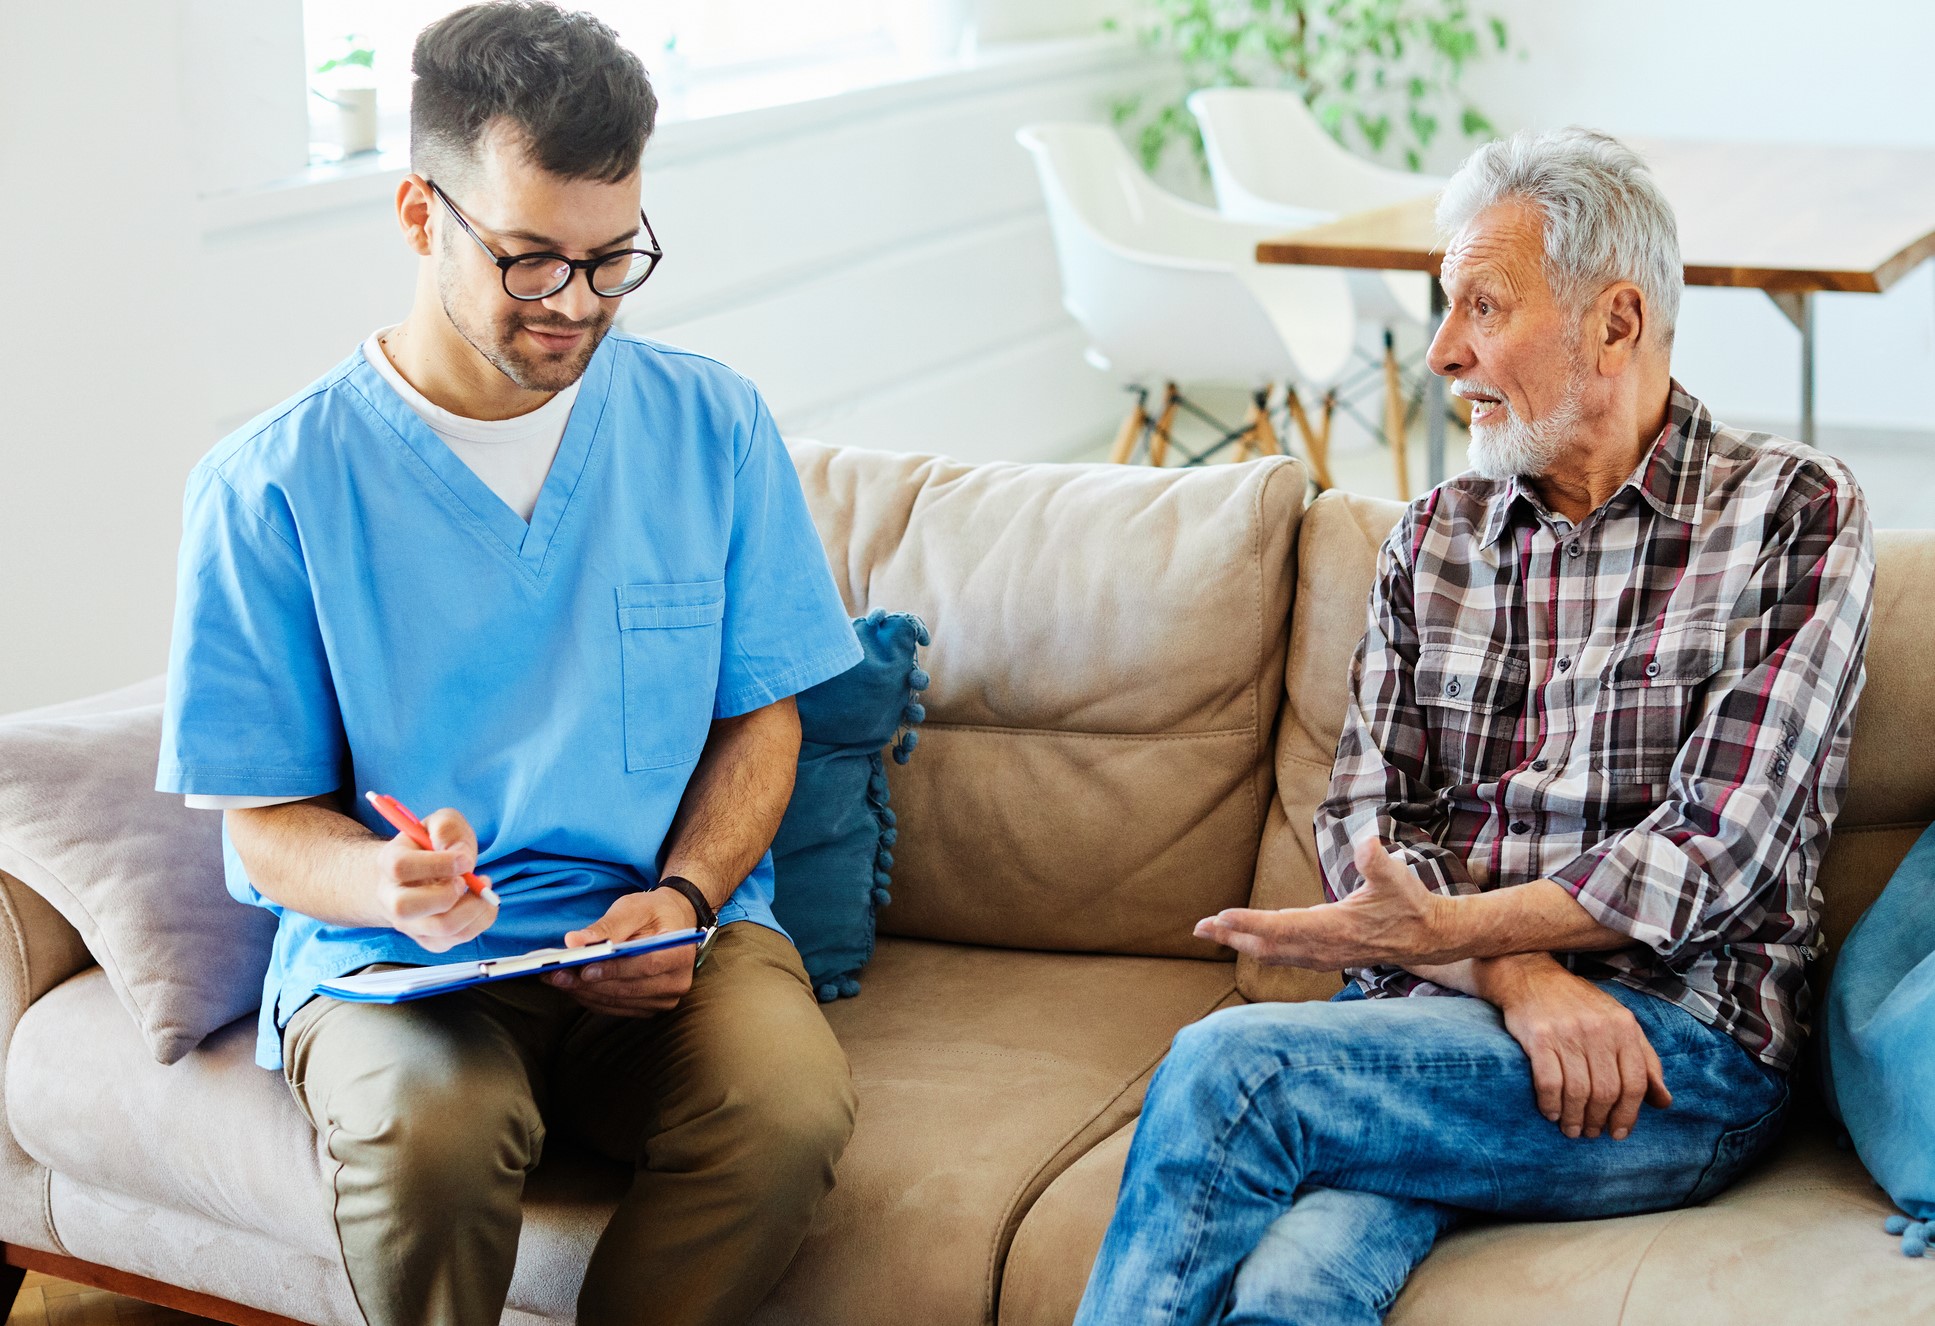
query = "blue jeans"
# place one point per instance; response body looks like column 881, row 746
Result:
column 1294, row 1162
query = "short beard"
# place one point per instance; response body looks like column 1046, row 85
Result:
column 1521, row 448
column 539, row 372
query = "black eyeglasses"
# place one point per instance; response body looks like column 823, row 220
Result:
column 534, row 276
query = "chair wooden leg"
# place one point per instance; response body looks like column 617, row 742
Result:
column 1394, row 431
column 1316, row 447
column 1131, row 430
column 1247, row 439
column 1159, row 440
column 1329, row 416
column 1267, row 441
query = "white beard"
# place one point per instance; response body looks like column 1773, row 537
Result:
column 1521, row 448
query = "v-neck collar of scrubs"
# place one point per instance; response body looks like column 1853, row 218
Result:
column 467, row 497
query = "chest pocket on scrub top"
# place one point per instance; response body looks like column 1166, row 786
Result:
column 1473, row 699
column 668, row 654
column 1648, row 696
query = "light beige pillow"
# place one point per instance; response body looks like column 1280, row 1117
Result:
column 133, row 869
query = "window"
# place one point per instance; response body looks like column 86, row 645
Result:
column 692, row 48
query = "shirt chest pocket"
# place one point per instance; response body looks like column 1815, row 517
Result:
column 1649, row 695
column 1473, row 701
column 668, row 657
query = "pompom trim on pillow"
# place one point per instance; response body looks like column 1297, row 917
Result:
column 847, row 985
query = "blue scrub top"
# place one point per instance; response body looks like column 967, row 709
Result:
column 357, row 609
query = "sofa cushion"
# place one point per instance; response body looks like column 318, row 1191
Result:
column 831, row 857
column 136, row 872
column 1806, row 1219
column 1107, row 664
column 982, row 1073
column 1874, row 1038
column 210, row 1134
column 1336, row 562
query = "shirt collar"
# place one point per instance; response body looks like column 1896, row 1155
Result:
column 1671, row 477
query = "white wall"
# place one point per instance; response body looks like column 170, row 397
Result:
column 1857, row 71
column 102, row 344
column 879, row 263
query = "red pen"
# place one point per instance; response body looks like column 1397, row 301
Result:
column 412, row 828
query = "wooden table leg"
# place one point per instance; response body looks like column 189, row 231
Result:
column 1798, row 305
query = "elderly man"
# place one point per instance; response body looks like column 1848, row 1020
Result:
column 1596, row 740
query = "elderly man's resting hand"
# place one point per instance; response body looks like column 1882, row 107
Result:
column 1393, row 920
column 1592, row 1066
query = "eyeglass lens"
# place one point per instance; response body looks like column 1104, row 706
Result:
column 541, row 277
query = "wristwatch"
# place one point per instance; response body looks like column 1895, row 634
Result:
column 708, row 920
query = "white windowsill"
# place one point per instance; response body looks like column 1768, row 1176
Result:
column 717, row 116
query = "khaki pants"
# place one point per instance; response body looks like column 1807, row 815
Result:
column 731, row 1110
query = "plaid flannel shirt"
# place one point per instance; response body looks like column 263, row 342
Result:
column 1652, row 709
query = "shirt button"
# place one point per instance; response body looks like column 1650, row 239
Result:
column 1451, row 688
column 1564, row 664
column 1573, row 549
column 1653, row 669
column 1520, row 826
column 1539, row 766
column 1780, row 767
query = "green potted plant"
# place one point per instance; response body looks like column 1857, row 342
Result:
column 1382, row 76
column 348, row 82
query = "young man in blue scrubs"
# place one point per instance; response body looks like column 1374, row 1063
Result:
column 560, row 582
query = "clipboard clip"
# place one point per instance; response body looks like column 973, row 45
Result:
column 538, row 959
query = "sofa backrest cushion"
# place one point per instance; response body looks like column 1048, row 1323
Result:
column 1336, row 562
column 1107, row 664
column 137, row 873
column 1891, row 785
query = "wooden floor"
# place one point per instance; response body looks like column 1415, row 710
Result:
column 45, row 1301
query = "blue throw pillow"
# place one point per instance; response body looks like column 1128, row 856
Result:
column 1876, row 1043
column 831, row 857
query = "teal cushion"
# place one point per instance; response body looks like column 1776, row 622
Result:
column 1876, row 1042
column 831, row 857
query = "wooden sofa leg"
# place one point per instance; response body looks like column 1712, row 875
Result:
column 1159, row 440
column 18, row 1261
column 11, row 1278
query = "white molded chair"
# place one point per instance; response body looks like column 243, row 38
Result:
column 1270, row 161
column 1171, row 292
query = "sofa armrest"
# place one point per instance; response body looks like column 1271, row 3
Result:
column 38, row 950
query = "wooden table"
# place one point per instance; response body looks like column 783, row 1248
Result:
column 1789, row 220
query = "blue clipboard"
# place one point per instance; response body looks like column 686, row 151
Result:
column 407, row 983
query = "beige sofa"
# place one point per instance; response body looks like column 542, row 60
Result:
column 1138, row 682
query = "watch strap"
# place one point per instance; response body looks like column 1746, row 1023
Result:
column 701, row 908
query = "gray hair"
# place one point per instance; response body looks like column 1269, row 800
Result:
column 1605, row 217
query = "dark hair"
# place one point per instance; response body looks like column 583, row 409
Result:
column 580, row 100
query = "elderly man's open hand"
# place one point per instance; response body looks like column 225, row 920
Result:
column 1391, row 918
